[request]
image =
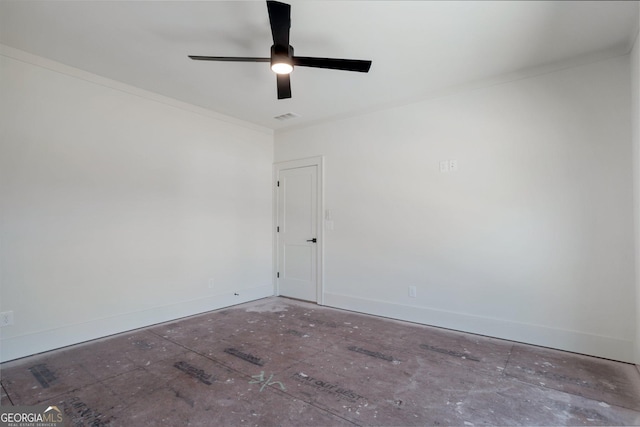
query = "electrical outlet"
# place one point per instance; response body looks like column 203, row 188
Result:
column 444, row 166
column 412, row 291
column 6, row 318
column 453, row 165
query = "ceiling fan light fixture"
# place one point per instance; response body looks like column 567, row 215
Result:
column 281, row 59
column 282, row 68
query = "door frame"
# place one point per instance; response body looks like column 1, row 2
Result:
column 317, row 161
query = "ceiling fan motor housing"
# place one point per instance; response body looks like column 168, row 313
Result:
column 281, row 55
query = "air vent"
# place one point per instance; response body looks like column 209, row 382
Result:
column 286, row 116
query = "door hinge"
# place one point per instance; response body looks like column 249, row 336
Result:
column 278, row 229
column 278, row 275
column 278, row 183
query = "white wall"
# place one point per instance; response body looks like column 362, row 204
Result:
column 119, row 206
column 529, row 240
column 635, row 121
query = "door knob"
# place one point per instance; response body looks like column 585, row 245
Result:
column 314, row 240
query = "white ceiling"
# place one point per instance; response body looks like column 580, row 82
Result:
column 417, row 47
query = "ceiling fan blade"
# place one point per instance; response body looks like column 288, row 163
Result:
column 284, row 86
column 333, row 63
column 229, row 58
column 280, row 20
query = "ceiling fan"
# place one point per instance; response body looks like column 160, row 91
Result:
column 282, row 58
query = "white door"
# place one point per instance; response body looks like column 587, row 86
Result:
column 297, row 232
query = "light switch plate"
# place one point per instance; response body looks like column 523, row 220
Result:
column 6, row 318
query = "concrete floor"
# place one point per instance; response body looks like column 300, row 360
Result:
column 279, row 362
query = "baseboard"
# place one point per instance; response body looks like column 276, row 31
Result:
column 578, row 342
column 51, row 339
